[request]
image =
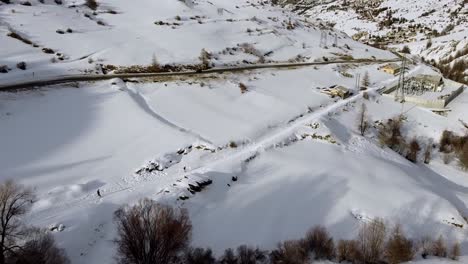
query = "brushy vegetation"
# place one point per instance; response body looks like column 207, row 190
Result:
column 167, row 231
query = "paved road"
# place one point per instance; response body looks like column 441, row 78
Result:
column 97, row 77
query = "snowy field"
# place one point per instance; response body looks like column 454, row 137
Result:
column 68, row 142
column 173, row 32
column 281, row 155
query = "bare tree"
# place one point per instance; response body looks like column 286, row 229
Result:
column 15, row 201
column 348, row 250
column 40, row 248
column 249, row 255
column 229, row 257
column 363, row 120
column 319, row 241
column 205, row 58
column 149, row 232
column 290, row 252
column 438, row 248
column 371, row 239
column 366, row 80
column 455, row 251
column 199, row 256
column 399, row 248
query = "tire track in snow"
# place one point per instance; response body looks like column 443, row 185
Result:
column 141, row 101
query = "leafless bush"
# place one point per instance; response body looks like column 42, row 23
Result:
column 428, row 154
column 446, row 141
column 92, row 4
column 438, row 248
column 199, row 256
column 40, row 248
column 390, row 134
column 16, row 201
column 205, row 58
column 149, row 232
column 348, row 250
column 414, row 149
column 365, row 95
column 243, row 88
column 371, row 240
column 290, row 252
column 455, row 251
column 450, row 142
column 399, row 248
column 318, row 241
column 363, row 120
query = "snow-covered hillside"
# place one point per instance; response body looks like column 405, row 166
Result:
column 72, row 38
column 435, row 30
column 277, row 154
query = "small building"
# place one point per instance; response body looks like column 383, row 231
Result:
column 391, row 68
column 426, row 82
column 337, row 90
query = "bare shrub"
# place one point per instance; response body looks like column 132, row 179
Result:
column 21, row 65
column 15, row 201
column 319, row 241
column 363, row 120
column 371, row 240
column 406, row 50
column 438, row 248
column 348, row 250
column 40, row 248
column 365, row 95
column 455, row 251
column 428, row 154
column 390, row 134
column 290, row 252
column 445, row 143
column 229, row 257
column 243, row 88
column 199, row 256
column 398, row 248
column 205, row 58
column 414, row 149
column 149, row 232
column 92, row 4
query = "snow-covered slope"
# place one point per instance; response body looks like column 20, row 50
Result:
column 281, row 156
column 123, row 33
column 435, row 30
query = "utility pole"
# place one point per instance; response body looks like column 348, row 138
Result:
column 358, row 82
column 400, row 92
